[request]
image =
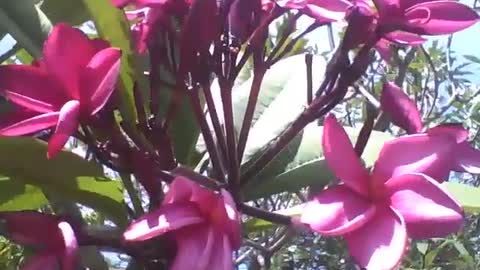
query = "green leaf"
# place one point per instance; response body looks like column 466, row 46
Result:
column 112, row 25
column 17, row 195
column 468, row 196
column 67, row 176
column 72, row 11
column 27, row 24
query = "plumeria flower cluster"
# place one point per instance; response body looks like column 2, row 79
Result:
column 72, row 89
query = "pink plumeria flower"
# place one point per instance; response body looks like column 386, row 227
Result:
column 54, row 238
column 404, row 113
column 323, row 11
column 72, row 82
column 205, row 226
column 377, row 212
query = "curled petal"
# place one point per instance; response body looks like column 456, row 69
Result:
column 66, row 126
column 341, row 157
column 165, row 219
column 184, row 190
column 337, row 211
column 428, row 210
column 327, row 11
column 405, row 38
column 443, row 17
column 222, row 260
column 29, row 103
column 101, row 74
column 71, row 246
column 380, row 244
column 65, row 53
column 383, row 48
column 30, row 125
column 232, row 219
column 401, row 108
column 418, row 153
column 467, row 159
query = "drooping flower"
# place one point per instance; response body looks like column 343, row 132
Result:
column 55, row 239
column 404, row 113
column 377, row 212
column 205, row 226
column 72, row 82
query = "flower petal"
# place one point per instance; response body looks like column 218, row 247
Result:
column 341, row 157
column 66, row 52
column 195, row 248
column 444, row 17
column 380, row 244
column 455, row 131
column 44, row 233
column 166, row 218
column 428, row 210
column 405, row 38
column 401, row 108
column 336, row 211
column 100, row 77
column 384, row 50
column 30, row 125
column 66, row 126
column 71, row 246
column 183, row 189
column 41, row 261
column 233, row 219
column 418, row 153
column 31, row 83
column 327, row 11
column 467, row 159
column 222, row 260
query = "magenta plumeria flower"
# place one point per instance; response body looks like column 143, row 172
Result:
column 404, row 113
column 54, row 238
column 72, row 82
column 204, row 224
column 376, row 212
column 323, row 11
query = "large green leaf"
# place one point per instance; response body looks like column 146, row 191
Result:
column 67, row 176
column 282, row 98
column 72, row 11
column 18, row 195
column 468, row 196
column 113, row 26
column 27, row 24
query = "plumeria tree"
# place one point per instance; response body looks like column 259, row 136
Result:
column 197, row 135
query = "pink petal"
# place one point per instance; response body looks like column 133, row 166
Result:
column 336, row 211
column 388, row 7
column 32, row 83
column 66, row 52
column 19, row 228
column 184, row 190
column 380, row 244
column 327, row 11
column 41, row 261
column 30, row 125
column 401, row 108
column 66, row 126
column 467, row 159
column 443, row 17
column 29, row 103
column 223, row 259
column 341, row 157
column 165, row 219
column 405, row 38
column 456, row 131
column 71, row 246
column 101, row 75
column 383, row 48
column 233, row 219
column 419, row 153
column 428, row 210
column 196, row 248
